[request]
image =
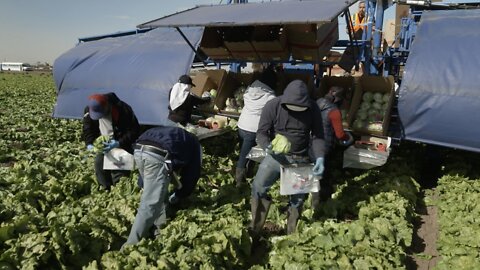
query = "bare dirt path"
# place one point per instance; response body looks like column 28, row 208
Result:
column 423, row 254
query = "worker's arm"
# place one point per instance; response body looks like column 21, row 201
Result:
column 131, row 128
column 335, row 117
column 90, row 128
column 199, row 100
column 266, row 124
column 190, row 171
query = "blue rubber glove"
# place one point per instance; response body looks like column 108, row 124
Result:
column 90, row 147
column 110, row 145
column 318, row 167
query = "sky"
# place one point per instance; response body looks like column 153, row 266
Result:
column 34, row 31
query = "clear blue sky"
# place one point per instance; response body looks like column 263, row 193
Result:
column 41, row 30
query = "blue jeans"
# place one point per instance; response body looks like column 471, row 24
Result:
column 269, row 172
column 151, row 210
column 247, row 142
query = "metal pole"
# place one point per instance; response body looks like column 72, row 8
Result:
column 201, row 56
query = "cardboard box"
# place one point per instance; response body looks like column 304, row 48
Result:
column 348, row 83
column 207, row 80
column 373, row 84
column 270, row 43
column 311, row 42
column 232, row 82
column 237, row 40
column 212, row 44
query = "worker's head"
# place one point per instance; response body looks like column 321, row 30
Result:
column 185, row 79
column 361, row 8
column 269, row 77
column 98, row 106
column 336, row 94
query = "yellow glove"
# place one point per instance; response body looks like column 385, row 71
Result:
column 280, row 144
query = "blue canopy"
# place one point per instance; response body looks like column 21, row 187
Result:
column 264, row 13
column 439, row 98
column 139, row 68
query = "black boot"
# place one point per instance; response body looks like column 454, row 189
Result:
column 293, row 215
column 239, row 176
column 260, row 208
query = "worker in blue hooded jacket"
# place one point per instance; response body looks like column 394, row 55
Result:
column 295, row 116
column 159, row 153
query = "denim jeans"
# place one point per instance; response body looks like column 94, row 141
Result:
column 107, row 178
column 152, row 208
column 247, row 141
column 269, row 172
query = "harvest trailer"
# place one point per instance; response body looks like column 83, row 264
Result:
column 436, row 102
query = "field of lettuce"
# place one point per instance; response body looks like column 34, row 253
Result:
column 54, row 216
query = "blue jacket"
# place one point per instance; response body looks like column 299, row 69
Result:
column 184, row 150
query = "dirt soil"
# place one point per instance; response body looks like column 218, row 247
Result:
column 423, row 254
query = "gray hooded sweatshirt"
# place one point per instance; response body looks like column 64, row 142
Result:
column 254, row 98
column 298, row 127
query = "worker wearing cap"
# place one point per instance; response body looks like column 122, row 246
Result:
column 159, row 152
column 333, row 131
column 295, row 116
column 182, row 101
column 107, row 115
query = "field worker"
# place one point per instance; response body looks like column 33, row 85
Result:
column 182, row 100
column 159, row 152
column 295, row 116
column 255, row 98
column 359, row 21
column 107, row 115
column 333, row 131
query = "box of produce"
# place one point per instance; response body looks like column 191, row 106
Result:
column 371, row 105
column 230, row 95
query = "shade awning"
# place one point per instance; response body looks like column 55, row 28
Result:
column 439, row 97
column 140, row 69
column 265, row 13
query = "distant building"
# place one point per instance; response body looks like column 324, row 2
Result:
column 12, row 66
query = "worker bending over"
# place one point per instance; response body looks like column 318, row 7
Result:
column 159, row 152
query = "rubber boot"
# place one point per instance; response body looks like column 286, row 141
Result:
column 260, row 208
column 239, row 176
column 293, row 215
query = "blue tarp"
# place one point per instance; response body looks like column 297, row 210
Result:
column 140, row 69
column 439, row 98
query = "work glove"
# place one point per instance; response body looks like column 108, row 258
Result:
column 90, row 147
column 280, row 144
column 347, row 142
column 110, row 145
column 318, row 167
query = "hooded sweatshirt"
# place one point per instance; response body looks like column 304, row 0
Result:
column 298, row 127
column 254, row 99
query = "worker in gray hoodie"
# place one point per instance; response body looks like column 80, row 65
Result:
column 255, row 98
column 295, row 116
